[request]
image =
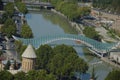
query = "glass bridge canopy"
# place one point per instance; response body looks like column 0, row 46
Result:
column 99, row 46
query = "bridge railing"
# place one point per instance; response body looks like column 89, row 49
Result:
column 98, row 46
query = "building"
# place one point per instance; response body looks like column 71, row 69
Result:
column 28, row 59
column 115, row 56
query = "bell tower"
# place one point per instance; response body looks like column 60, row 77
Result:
column 28, row 59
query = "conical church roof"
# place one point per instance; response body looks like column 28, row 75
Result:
column 29, row 52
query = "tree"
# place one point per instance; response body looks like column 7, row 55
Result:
column 26, row 31
column 70, row 8
column 9, row 8
column 8, row 22
column 32, row 75
column 55, row 2
column 51, row 77
column 20, row 76
column 7, row 65
column 18, row 45
column 109, row 5
column 10, row 30
column 5, row 75
column 65, row 62
column 4, row 18
column 9, row 27
column 43, row 75
column 21, row 7
column 91, row 33
column 44, row 53
column 82, row 11
column 18, row 1
column 113, row 75
column 62, row 61
column 39, row 75
column 20, row 48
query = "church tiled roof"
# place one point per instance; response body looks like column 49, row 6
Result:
column 29, row 52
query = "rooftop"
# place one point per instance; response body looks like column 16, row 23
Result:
column 29, row 52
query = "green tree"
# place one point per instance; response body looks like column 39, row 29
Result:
column 18, row 45
column 18, row 1
column 9, row 27
column 7, row 65
column 113, row 75
column 10, row 30
column 109, row 5
column 20, row 48
column 40, row 75
column 51, row 77
column 21, row 7
column 82, row 11
column 44, row 53
column 4, row 18
column 32, row 75
column 8, row 22
column 5, row 75
column 55, row 2
column 91, row 33
column 20, row 76
column 26, row 31
column 70, row 8
column 9, row 8
column 65, row 62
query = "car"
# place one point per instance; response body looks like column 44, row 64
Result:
column 89, row 17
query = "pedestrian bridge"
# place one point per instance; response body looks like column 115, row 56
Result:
column 92, row 44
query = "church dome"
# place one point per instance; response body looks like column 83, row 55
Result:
column 29, row 52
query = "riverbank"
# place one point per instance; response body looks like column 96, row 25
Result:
column 76, row 26
column 110, row 62
column 90, row 55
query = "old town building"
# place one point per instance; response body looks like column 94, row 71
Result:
column 28, row 59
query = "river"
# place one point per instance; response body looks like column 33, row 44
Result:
column 46, row 23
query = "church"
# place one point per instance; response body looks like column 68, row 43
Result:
column 28, row 59
column 27, row 63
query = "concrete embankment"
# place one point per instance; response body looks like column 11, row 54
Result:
column 77, row 26
column 110, row 62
